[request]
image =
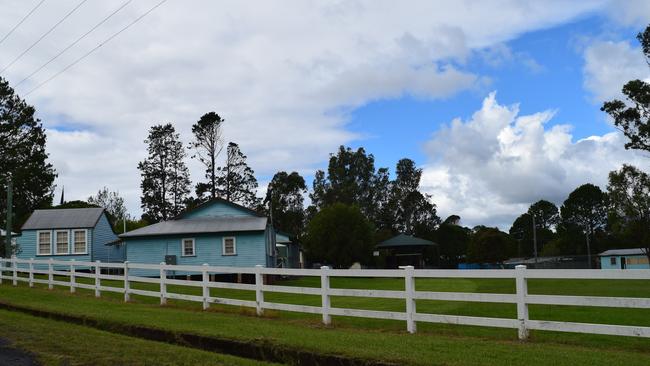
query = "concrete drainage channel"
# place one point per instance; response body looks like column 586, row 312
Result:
column 257, row 350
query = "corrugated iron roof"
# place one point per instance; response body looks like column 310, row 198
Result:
column 631, row 251
column 403, row 240
column 63, row 218
column 200, row 226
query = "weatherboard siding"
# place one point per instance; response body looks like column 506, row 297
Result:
column 103, row 234
column 27, row 247
column 632, row 262
column 250, row 246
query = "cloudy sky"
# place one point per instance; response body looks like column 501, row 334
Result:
column 498, row 101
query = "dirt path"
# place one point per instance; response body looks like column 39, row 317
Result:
column 10, row 356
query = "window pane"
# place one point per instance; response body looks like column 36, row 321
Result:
column 229, row 246
column 61, row 242
column 44, row 242
column 188, row 247
column 80, row 241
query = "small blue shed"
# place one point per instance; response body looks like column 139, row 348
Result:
column 70, row 233
column 217, row 232
column 634, row 258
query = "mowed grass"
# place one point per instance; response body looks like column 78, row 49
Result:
column 371, row 338
column 57, row 343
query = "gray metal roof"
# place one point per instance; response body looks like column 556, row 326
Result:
column 403, row 240
column 63, row 218
column 632, row 251
column 200, row 226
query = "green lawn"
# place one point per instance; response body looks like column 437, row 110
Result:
column 57, row 343
column 434, row 344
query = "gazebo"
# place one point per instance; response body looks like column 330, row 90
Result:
column 405, row 250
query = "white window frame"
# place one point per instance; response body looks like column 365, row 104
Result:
column 183, row 247
column 38, row 242
column 56, row 242
column 74, row 251
column 223, row 245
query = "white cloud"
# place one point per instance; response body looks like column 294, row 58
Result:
column 283, row 74
column 609, row 65
column 490, row 168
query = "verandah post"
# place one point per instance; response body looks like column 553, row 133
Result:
column 15, row 270
column 163, row 285
column 31, row 272
column 259, row 293
column 50, row 275
column 325, row 289
column 73, row 280
column 522, row 307
column 206, row 289
column 98, row 281
column 409, row 290
column 127, row 285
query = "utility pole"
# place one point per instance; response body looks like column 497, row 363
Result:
column 10, row 198
column 534, row 237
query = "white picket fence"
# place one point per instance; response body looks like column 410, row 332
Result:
column 410, row 295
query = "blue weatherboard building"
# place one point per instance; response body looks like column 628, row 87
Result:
column 82, row 234
column 218, row 232
column 634, row 258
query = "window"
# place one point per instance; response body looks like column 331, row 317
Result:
column 612, row 261
column 62, row 245
column 188, row 248
column 80, row 242
column 44, row 243
column 229, row 246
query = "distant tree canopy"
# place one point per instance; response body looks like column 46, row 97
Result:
column 284, row 202
column 632, row 116
column 490, row 245
column 112, row 202
column 629, row 197
column 23, row 156
column 585, row 210
column 207, row 145
column 339, row 235
column 452, row 240
column 165, row 178
column 236, row 181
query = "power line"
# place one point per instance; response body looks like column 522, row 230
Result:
column 43, row 36
column 74, row 43
column 21, row 21
column 96, row 48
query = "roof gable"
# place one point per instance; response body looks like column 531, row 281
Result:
column 403, row 240
column 63, row 218
column 218, row 208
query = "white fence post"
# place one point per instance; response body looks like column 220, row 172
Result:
column 127, row 284
column 259, row 293
column 409, row 290
column 98, row 281
column 206, row 289
column 163, row 285
column 15, row 272
column 325, row 289
column 50, row 275
column 522, row 307
column 31, row 272
column 73, row 279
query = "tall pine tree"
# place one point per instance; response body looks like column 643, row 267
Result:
column 165, row 178
column 236, row 180
column 23, row 156
column 207, row 145
column 284, row 202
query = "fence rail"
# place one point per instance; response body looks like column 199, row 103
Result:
column 11, row 268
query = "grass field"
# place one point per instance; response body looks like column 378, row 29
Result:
column 434, row 344
column 57, row 343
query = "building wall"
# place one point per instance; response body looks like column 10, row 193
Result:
column 250, row 248
column 103, row 234
column 631, row 262
column 27, row 246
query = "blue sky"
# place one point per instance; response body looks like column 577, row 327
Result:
column 525, row 79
